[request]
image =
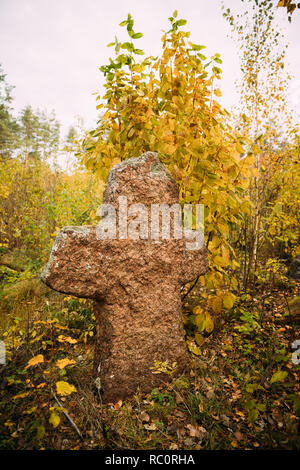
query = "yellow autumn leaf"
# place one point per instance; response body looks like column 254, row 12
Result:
column 239, row 148
column 224, row 259
column 200, row 321
column 64, row 388
column 199, row 339
column 92, row 215
column 54, row 419
column 131, row 132
column 234, row 281
column 193, row 348
column 35, row 360
column 216, row 304
column 21, row 395
column 209, row 324
column 229, row 300
column 255, row 172
column 226, row 253
column 66, row 339
column 62, row 363
column 42, row 385
column 219, row 261
column 223, row 228
column 215, row 243
column 197, row 310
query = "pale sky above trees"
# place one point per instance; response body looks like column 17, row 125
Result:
column 51, row 50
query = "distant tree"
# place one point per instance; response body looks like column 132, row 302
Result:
column 267, row 125
column 72, row 134
column 40, row 134
column 49, row 134
column 29, row 123
column 9, row 128
column 71, row 138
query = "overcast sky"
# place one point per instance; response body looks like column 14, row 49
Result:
column 51, row 49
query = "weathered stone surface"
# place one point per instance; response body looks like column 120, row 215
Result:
column 135, row 283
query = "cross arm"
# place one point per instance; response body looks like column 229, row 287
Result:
column 74, row 266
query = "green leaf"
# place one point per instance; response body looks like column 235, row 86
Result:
column 40, row 432
column 175, row 13
column 253, row 414
column 128, row 46
column 279, row 376
column 137, row 35
column 261, row 406
column 197, row 47
column 124, row 23
column 217, row 70
column 180, row 22
column 110, row 44
column 199, row 339
column 250, row 388
column 200, row 322
column 138, row 51
column 129, row 25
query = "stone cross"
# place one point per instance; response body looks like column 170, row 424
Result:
column 135, row 282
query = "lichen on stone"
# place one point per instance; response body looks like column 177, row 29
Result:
column 77, row 230
column 157, row 169
column 61, row 237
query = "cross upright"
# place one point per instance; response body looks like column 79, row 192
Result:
column 135, row 282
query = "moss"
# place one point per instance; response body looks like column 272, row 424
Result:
column 25, row 289
column 16, row 260
column 182, row 383
column 160, row 412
